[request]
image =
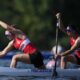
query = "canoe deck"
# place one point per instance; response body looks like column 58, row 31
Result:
column 6, row 71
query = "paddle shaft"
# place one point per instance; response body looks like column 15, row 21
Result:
column 54, row 70
column 54, row 73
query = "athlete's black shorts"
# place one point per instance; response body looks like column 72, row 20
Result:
column 37, row 59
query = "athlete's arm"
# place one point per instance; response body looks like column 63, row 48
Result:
column 9, row 27
column 6, row 26
column 6, row 49
column 75, row 46
column 3, row 24
column 13, row 30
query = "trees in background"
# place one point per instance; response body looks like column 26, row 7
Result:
column 37, row 18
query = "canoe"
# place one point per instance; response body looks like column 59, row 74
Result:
column 6, row 71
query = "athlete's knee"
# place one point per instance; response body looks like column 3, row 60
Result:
column 63, row 58
column 15, row 57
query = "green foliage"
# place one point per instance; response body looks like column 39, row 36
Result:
column 34, row 17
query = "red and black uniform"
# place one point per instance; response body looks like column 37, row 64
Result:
column 28, row 48
column 77, row 51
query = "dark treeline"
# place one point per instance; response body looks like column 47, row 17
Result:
column 37, row 19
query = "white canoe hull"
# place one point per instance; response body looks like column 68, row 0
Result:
column 6, row 71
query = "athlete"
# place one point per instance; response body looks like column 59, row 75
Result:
column 18, row 40
column 73, row 54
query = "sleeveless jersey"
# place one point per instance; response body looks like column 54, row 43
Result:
column 77, row 51
column 24, row 45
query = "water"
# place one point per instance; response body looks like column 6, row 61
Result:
column 31, row 78
column 21, row 65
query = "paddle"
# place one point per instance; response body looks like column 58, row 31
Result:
column 54, row 72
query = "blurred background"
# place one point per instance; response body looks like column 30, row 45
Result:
column 37, row 19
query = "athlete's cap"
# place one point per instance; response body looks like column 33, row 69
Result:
column 7, row 33
column 68, row 28
column 71, row 28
